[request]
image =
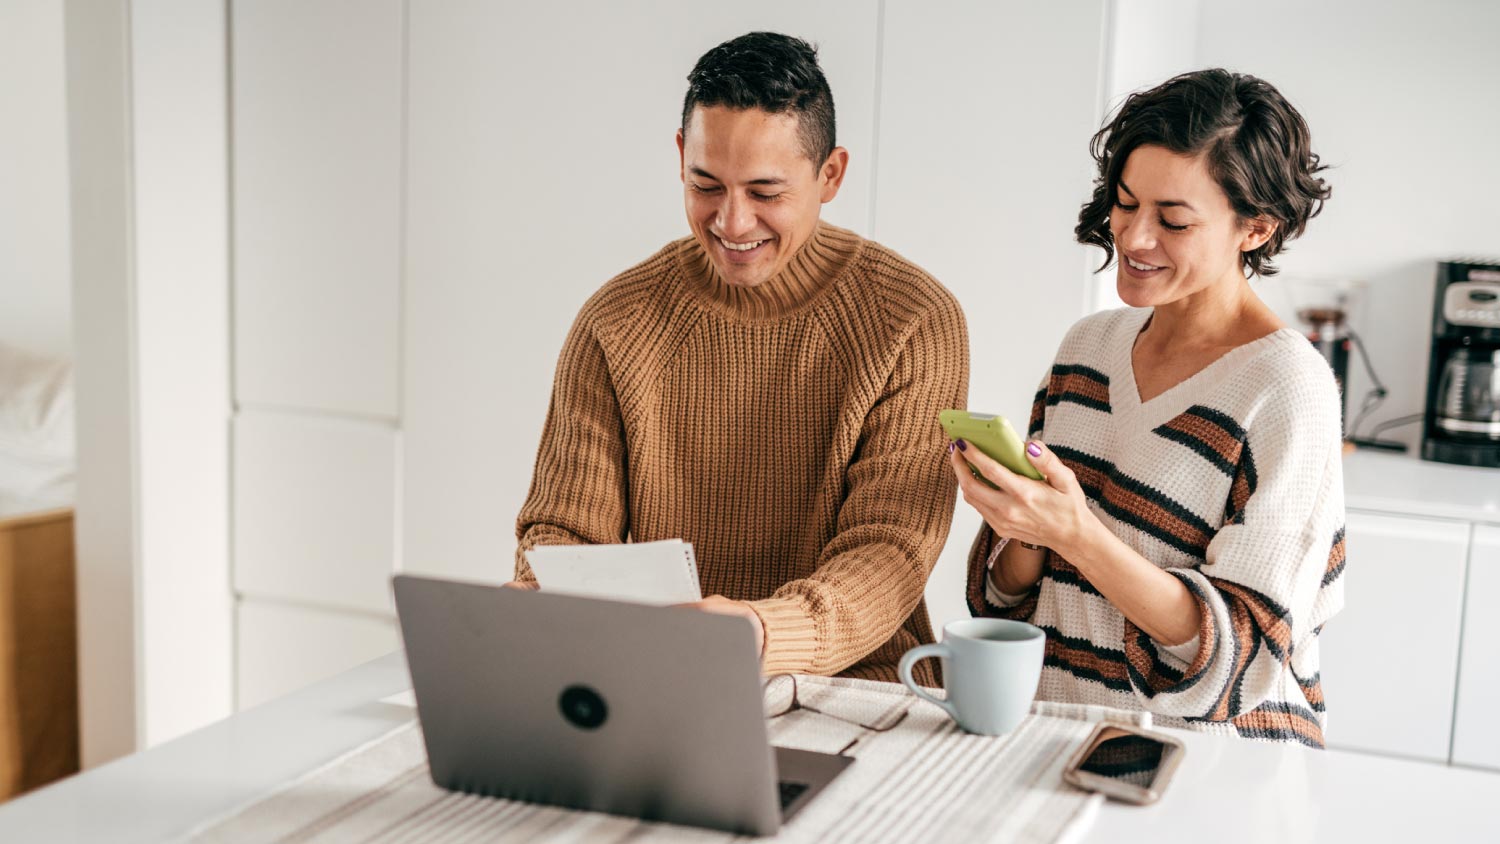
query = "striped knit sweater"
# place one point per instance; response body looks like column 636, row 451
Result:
column 787, row 430
column 1232, row 482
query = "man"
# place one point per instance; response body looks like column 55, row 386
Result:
column 767, row 389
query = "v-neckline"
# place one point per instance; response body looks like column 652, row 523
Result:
column 1125, row 393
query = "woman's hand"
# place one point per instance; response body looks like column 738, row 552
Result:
column 1054, row 514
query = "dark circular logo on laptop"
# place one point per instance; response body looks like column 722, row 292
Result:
column 583, row 707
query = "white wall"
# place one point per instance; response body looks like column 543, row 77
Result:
column 1402, row 99
column 35, row 311
column 181, row 349
column 146, row 106
column 105, row 513
column 1149, row 41
column 1404, row 102
column 986, row 111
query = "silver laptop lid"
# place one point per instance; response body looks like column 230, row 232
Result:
column 653, row 712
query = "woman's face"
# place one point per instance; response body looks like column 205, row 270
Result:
column 1174, row 229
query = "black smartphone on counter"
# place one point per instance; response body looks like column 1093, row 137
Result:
column 1125, row 763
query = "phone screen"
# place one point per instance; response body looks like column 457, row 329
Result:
column 1125, row 757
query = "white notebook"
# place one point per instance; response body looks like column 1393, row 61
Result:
column 664, row 572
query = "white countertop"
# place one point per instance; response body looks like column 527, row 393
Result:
column 1227, row 789
column 1406, row 484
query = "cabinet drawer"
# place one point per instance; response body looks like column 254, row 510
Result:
column 283, row 647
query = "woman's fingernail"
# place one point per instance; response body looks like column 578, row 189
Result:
column 952, row 446
column 962, row 446
column 1033, row 449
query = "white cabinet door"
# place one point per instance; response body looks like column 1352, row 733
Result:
column 1476, row 729
column 315, row 510
column 317, row 193
column 1390, row 659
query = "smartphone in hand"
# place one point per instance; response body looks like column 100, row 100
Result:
column 993, row 435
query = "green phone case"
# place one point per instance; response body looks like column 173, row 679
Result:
column 993, row 435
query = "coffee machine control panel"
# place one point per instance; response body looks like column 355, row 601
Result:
column 1475, row 303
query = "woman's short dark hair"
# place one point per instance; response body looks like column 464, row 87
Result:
column 775, row 73
column 1256, row 145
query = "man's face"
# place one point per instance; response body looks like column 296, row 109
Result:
column 751, row 193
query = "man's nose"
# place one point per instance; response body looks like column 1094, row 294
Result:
column 735, row 217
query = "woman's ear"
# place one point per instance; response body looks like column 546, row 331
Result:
column 1258, row 230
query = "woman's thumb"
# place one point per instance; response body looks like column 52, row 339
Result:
column 1049, row 464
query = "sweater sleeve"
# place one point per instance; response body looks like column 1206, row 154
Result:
column 894, row 518
column 578, row 490
column 983, row 599
column 1270, row 579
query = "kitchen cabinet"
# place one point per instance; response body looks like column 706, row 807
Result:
column 1476, row 728
column 1390, row 658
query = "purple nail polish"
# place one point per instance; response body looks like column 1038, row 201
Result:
column 1033, row 449
column 952, row 446
column 962, row 446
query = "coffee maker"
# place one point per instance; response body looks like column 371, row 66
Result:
column 1462, row 423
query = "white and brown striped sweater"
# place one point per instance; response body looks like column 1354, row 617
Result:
column 1231, row 481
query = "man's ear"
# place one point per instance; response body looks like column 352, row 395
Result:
column 1258, row 230
column 831, row 174
column 681, row 159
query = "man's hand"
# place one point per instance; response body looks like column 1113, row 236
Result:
column 523, row 585
column 724, row 606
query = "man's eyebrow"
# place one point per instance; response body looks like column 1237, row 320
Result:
column 1165, row 203
column 699, row 171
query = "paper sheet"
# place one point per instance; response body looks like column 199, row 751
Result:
column 664, row 572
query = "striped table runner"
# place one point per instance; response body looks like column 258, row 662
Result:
column 924, row 780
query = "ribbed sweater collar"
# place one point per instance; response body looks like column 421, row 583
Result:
column 811, row 272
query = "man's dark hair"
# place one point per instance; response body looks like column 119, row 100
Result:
column 1256, row 145
column 775, row 73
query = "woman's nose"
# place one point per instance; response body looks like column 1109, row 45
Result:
column 1135, row 235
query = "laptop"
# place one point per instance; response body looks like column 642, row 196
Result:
column 652, row 712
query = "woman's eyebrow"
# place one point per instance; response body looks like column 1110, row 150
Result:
column 1165, row 203
column 1175, row 203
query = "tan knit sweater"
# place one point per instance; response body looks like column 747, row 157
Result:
column 788, row 430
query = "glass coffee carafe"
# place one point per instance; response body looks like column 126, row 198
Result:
column 1469, row 394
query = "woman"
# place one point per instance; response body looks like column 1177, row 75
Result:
column 1187, row 546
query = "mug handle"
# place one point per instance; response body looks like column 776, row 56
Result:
column 911, row 658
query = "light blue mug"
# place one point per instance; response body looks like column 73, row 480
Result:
column 991, row 667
